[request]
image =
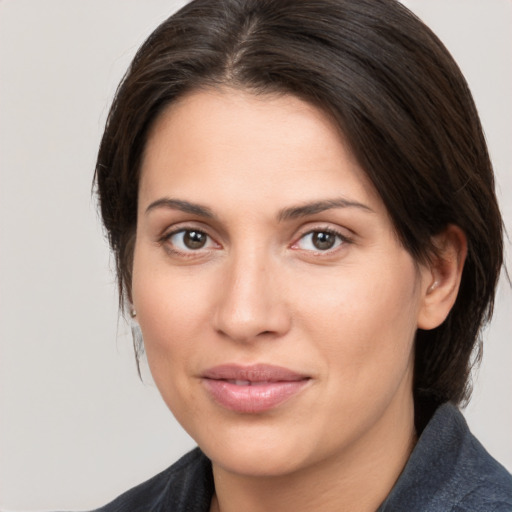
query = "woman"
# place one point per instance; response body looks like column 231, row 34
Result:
column 302, row 210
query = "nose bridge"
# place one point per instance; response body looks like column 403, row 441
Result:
column 250, row 303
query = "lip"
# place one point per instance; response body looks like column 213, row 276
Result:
column 252, row 389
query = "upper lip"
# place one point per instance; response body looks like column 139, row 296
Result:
column 253, row 373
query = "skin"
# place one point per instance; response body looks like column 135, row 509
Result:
column 260, row 291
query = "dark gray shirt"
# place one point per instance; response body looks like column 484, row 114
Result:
column 448, row 471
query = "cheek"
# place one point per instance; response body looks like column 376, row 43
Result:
column 171, row 310
column 165, row 295
column 170, row 318
column 365, row 322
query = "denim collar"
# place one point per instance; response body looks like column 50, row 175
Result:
column 449, row 470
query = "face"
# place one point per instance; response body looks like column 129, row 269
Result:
column 278, row 308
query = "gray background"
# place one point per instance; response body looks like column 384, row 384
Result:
column 77, row 427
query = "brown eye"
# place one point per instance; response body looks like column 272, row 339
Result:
column 194, row 239
column 321, row 240
column 187, row 240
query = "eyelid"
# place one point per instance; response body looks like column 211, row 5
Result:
column 344, row 238
column 165, row 238
column 186, row 225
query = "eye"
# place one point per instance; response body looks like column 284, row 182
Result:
column 188, row 240
column 320, row 240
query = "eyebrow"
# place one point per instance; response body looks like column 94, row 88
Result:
column 184, row 206
column 320, row 206
column 293, row 212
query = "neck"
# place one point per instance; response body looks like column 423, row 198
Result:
column 357, row 479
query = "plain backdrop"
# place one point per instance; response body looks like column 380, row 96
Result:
column 77, row 427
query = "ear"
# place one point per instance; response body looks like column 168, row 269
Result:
column 441, row 277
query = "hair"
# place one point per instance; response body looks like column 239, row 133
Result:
column 398, row 97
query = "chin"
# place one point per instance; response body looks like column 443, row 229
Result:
column 258, row 447
column 257, row 460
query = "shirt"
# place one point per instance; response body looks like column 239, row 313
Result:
column 448, row 471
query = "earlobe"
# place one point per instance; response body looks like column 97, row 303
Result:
column 441, row 278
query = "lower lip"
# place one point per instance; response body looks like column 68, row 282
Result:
column 252, row 399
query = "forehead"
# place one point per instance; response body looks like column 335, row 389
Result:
column 252, row 146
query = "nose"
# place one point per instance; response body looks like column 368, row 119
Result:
column 252, row 303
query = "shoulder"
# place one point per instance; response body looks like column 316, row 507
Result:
column 484, row 485
column 450, row 471
column 186, row 485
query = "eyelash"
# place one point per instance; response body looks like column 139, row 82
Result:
column 341, row 240
column 190, row 253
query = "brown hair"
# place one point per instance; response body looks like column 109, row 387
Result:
column 397, row 95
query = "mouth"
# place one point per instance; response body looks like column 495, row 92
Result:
column 252, row 389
